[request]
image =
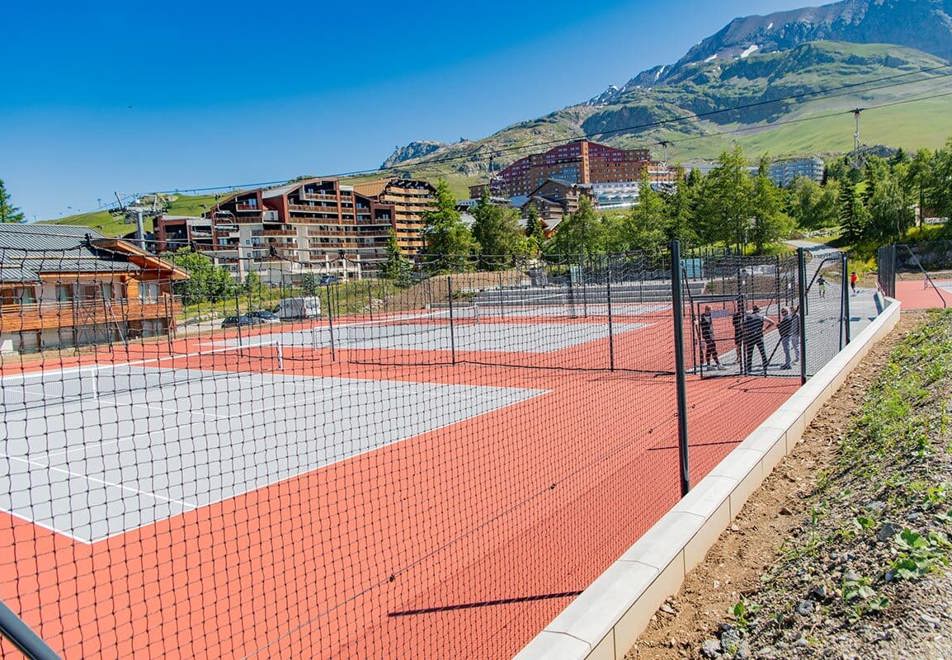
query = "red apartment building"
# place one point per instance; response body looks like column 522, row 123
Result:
column 581, row 161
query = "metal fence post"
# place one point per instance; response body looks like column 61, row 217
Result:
column 238, row 317
column 449, row 295
column 330, row 322
column 802, row 297
column 676, row 306
column 370, row 298
column 611, row 332
column 581, row 276
column 21, row 636
column 846, row 302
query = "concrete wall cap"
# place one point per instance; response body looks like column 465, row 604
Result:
column 593, row 614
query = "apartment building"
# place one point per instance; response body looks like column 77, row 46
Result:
column 66, row 286
column 410, row 199
column 175, row 231
column 784, row 172
column 581, row 162
column 318, row 225
column 309, row 226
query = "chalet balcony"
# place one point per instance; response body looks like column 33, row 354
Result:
column 53, row 315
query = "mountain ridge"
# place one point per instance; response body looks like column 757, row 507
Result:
column 797, row 51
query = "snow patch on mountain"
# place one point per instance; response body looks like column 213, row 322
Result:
column 750, row 50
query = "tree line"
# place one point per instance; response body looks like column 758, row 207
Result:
column 735, row 205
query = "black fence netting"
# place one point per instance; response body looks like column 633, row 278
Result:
column 918, row 274
column 304, row 463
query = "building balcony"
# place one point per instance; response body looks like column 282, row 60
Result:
column 246, row 207
column 318, row 197
column 52, row 315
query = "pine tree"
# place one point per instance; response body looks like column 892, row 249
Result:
column 852, row 211
column 725, row 203
column 8, row 212
column 680, row 210
column 396, row 267
column 449, row 243
column 497, row 231
column 534, row 228
column 644, row 226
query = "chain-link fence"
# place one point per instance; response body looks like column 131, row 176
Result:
column 918, row 274
column 302, row 466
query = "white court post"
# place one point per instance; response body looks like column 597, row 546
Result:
column 280, row 348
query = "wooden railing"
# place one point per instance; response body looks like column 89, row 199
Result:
column 52, row 315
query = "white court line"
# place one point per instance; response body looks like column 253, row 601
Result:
column 49, row 528
column 309, row 397
column 103, row 482
column 136, row 363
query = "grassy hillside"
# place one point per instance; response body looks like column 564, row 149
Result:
column 808, row 70
column 116, row 225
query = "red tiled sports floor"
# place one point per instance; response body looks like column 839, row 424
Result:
column 464, row 541
column 918, row 294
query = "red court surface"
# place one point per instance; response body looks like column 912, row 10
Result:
column 919, row 294
column 463, row 541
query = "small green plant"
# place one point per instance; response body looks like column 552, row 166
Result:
column 936, row 496
column 918, row 554
column 865, row 523
column 862, row 598
column 744, row 612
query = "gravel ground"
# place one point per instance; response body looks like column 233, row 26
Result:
column 844, row 552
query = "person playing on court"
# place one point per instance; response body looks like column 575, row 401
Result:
column 709, row 347
column 789, row 328
column 822, row 284
column 754, row 337
column 853, row 280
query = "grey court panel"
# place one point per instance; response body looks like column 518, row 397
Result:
column 94, row 466
column 466, row 336
column 578, row 310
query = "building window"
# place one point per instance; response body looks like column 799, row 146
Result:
column 149, row 292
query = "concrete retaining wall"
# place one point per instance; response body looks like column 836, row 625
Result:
column 607, row 618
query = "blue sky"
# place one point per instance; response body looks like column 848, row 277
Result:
column 140, row 96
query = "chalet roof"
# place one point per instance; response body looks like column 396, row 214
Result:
column 28, row 251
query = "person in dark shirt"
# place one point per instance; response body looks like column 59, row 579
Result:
column 822, row 284
column 789, row 328
column 708, row 344
column 754, row 337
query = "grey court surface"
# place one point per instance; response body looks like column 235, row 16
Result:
column 578, row 310
column 92, row 454
column 437, row 335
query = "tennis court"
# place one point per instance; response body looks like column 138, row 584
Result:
column 921, row 294
column 121, row 447
column 379, row 505
column 437, row 475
